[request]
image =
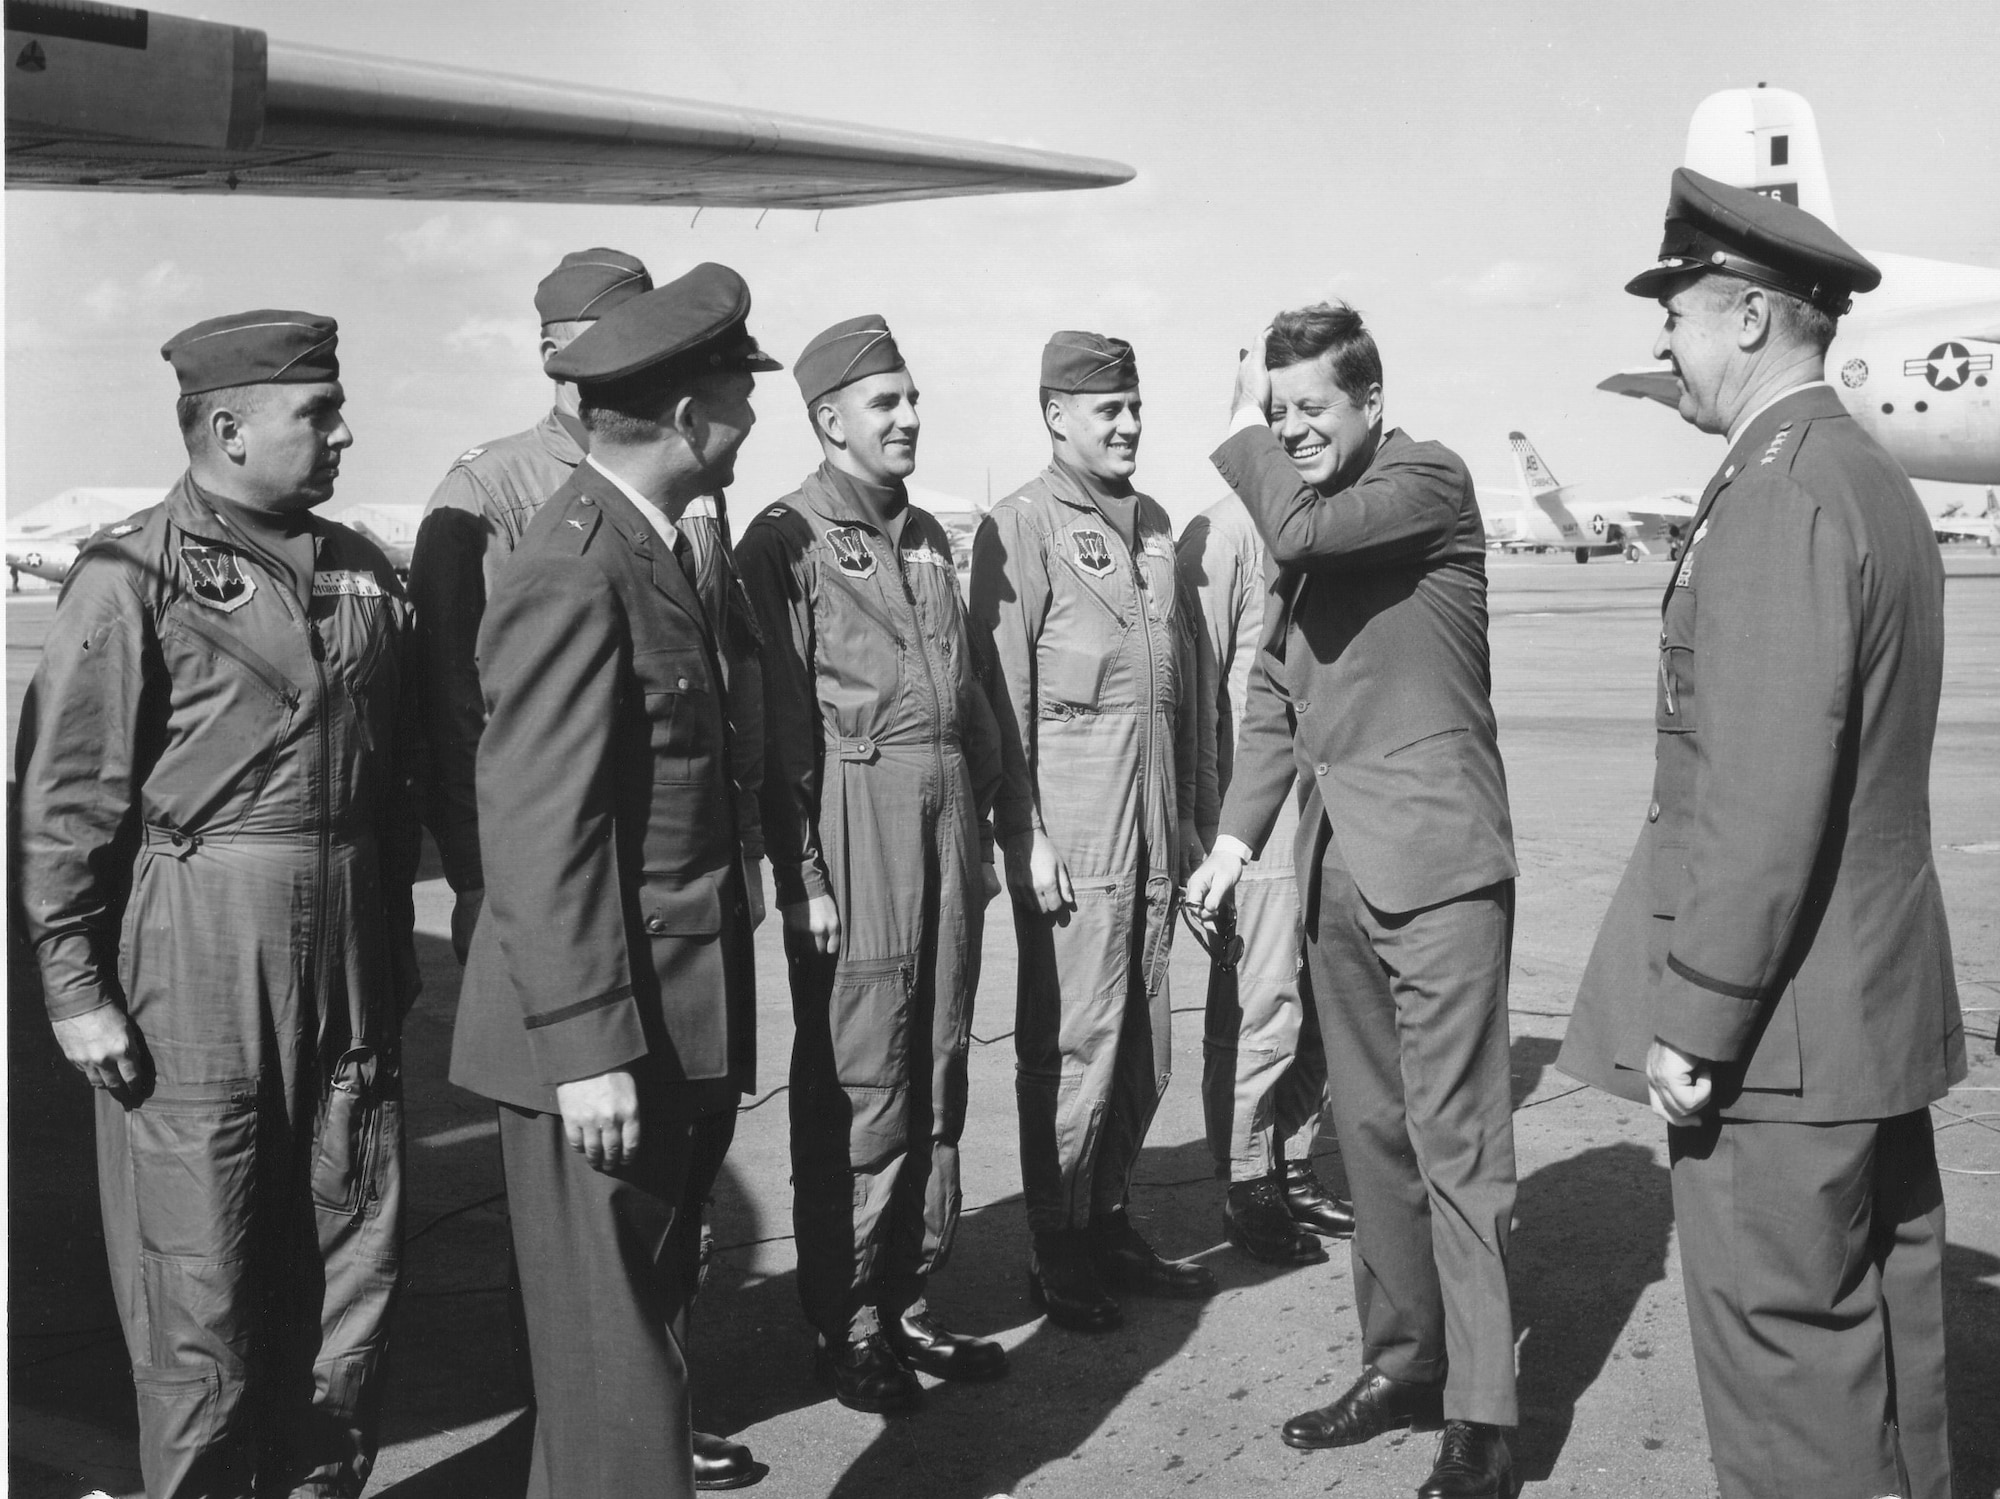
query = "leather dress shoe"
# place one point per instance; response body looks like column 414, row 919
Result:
column 1313, row 1207
column 1124, row 1260
column 1373, row 1404
column 1473, row 1462
column 867, row 1376
column 722, row 1464
column 1062, row 1283
column 922, row 1344
column 1255, row 1220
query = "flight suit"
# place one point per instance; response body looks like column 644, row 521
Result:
column 1263, row 1065
column 882, row 759
column 1781, row 919
column 472, row 525
column 215, row 835
column 1087, row 647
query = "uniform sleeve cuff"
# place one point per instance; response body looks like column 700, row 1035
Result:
column 1705, row 1017
column 585, row 1039
column 1229, row 843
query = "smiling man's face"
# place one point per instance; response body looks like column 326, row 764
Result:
column 1328, row 435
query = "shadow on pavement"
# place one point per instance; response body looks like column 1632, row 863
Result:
column 1593, row 1235
column 1972, row 1353
column 1528, row 1058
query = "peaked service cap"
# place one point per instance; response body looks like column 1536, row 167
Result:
column 589, row 283
column 844, row 353
column 269, row 346
column 1075, row 363
column 695, row 322
column 1732, row 230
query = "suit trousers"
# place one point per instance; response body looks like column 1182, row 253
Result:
column 1813, row 1260
column 608, row 1264
column 1413, row 1009
column 1263, row 1076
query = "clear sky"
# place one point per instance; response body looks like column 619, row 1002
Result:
column 1478, row 178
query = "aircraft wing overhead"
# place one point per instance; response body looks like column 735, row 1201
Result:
column 1653, row 382
column 111, row 98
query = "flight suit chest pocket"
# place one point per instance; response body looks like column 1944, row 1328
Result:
column 1070, row 675
column 679, row 708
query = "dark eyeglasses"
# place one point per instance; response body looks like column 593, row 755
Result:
column 1225, row 949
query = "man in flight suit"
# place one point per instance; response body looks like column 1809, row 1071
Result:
column 882, row 761
column 472, row 526
column 1263, row 1068
column 216, row 857
column 1374, row 684
column 1087, row 646
column 609, row 1000
column 1775, row 973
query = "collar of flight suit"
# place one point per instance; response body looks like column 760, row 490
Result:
column 836, row 494
column 1066, row 486
column 188, row 507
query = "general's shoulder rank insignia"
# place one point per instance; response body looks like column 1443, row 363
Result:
column 851, row 551
column 215, row 578
column 1777, row 444
column 1093, row 553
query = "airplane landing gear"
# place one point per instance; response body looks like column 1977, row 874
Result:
column 1583, row 554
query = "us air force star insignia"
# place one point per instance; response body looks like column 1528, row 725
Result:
column 1093, row 553
column 851, row 551
column 215, row 579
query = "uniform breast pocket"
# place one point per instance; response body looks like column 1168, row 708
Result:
column 1070, row 673
column 680, row 711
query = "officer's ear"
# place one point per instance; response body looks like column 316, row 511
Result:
column 689, row 418
column 1752, row 317
column 226, row 430
column 827, row 423
column 1055, row 414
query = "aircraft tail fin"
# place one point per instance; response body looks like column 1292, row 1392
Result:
column 1992, row 511
column 1765, row 139
column 1536, row 480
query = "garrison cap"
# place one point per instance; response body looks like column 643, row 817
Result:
column 844, row 353
column 589, row 283
column 1732, row 230
column 265, row 347
column 693, row 323
column 1075, row 363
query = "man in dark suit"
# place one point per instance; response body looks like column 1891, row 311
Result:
column 1775, row 974
column 1373, row 686
column 608, row 1002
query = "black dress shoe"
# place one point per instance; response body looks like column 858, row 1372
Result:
column 922, row 1344
column 1126, row 1262
column 867, row 1376
column 1255, row 1220
column 722, row 1464
column 1313, row 1207
column 1375, row 1403
column 1062, row 1283
column 1473, row 1462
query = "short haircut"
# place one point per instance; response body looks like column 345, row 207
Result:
column 636, row 409
column 193, row 411
column 1331, row 328
column 1793, row 319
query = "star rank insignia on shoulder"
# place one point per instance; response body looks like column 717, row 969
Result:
column 1777, row 446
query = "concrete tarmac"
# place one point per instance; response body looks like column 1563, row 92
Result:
column 1185, row 1398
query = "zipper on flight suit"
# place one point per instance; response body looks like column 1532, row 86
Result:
column 930, row 670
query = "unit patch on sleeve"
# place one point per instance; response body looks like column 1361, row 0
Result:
column 851, row 551
column 1093, row 553
column 215, row 578
column 355, row 584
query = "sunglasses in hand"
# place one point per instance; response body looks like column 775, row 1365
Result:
column 1225, row 945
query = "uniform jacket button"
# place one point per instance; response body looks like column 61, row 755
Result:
column 684, row 684
column 1653, row 813
column 1321, row 768
column 655, row 925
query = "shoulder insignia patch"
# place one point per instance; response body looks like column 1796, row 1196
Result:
column 215, row 579
column 851, row 551
column 351, row 584
column 468, row 455
column 1093, row 552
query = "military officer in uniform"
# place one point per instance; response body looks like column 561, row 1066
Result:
column 1774, row 974
column 1263, row 1067
column 1374, row 685
column 1087, row 648
column 608, row 1003
column 473, row 523
column 216, row 857
column 882, row 761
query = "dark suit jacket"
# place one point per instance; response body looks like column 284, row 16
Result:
column 1781, row 913
column 615, row 932
column 1373, row 683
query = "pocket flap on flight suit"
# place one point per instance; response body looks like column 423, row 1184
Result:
column 694, row 910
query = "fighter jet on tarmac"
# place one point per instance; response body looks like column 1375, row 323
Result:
column 1913, row 362
column 1953, row 524
column 1548, row 516
column 43, row 542
column 116, row 99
